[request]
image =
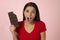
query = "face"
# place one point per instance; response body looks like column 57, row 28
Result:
column 30, row 13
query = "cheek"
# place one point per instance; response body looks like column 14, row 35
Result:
column 33, row 15
column 25, row 14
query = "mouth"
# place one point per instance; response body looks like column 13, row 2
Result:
column 29, row 18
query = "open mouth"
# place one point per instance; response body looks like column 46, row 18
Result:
column 29, row 18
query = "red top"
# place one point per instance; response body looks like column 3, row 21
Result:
column 34, row 35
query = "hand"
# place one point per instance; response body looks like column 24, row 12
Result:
column 12, row 28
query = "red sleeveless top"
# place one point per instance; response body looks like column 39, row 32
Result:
column 34, row 35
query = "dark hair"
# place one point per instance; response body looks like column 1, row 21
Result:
column 37, row 17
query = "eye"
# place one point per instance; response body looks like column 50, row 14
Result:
column 27, row 10
column 33, row 12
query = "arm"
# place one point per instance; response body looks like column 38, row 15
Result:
column 15, row 36
column 43, row 35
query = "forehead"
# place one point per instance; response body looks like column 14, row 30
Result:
column 30, row 8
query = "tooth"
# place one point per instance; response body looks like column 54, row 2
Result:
column 29, row 18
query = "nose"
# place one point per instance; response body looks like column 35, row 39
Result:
column 30, row 14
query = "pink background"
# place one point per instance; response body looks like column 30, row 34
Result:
column 49, row 13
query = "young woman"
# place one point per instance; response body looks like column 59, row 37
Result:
column 31, row 28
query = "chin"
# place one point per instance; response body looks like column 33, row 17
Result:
column 30, row 21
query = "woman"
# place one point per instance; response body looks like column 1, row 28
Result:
column 31, row 28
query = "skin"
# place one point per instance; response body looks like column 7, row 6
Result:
column 30, row 12
column 28, row 25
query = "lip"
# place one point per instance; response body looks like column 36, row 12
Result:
column 29, row 18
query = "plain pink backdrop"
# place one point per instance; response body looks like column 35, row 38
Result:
column 49, row 13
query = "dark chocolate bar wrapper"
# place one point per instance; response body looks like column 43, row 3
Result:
column 13, row 19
